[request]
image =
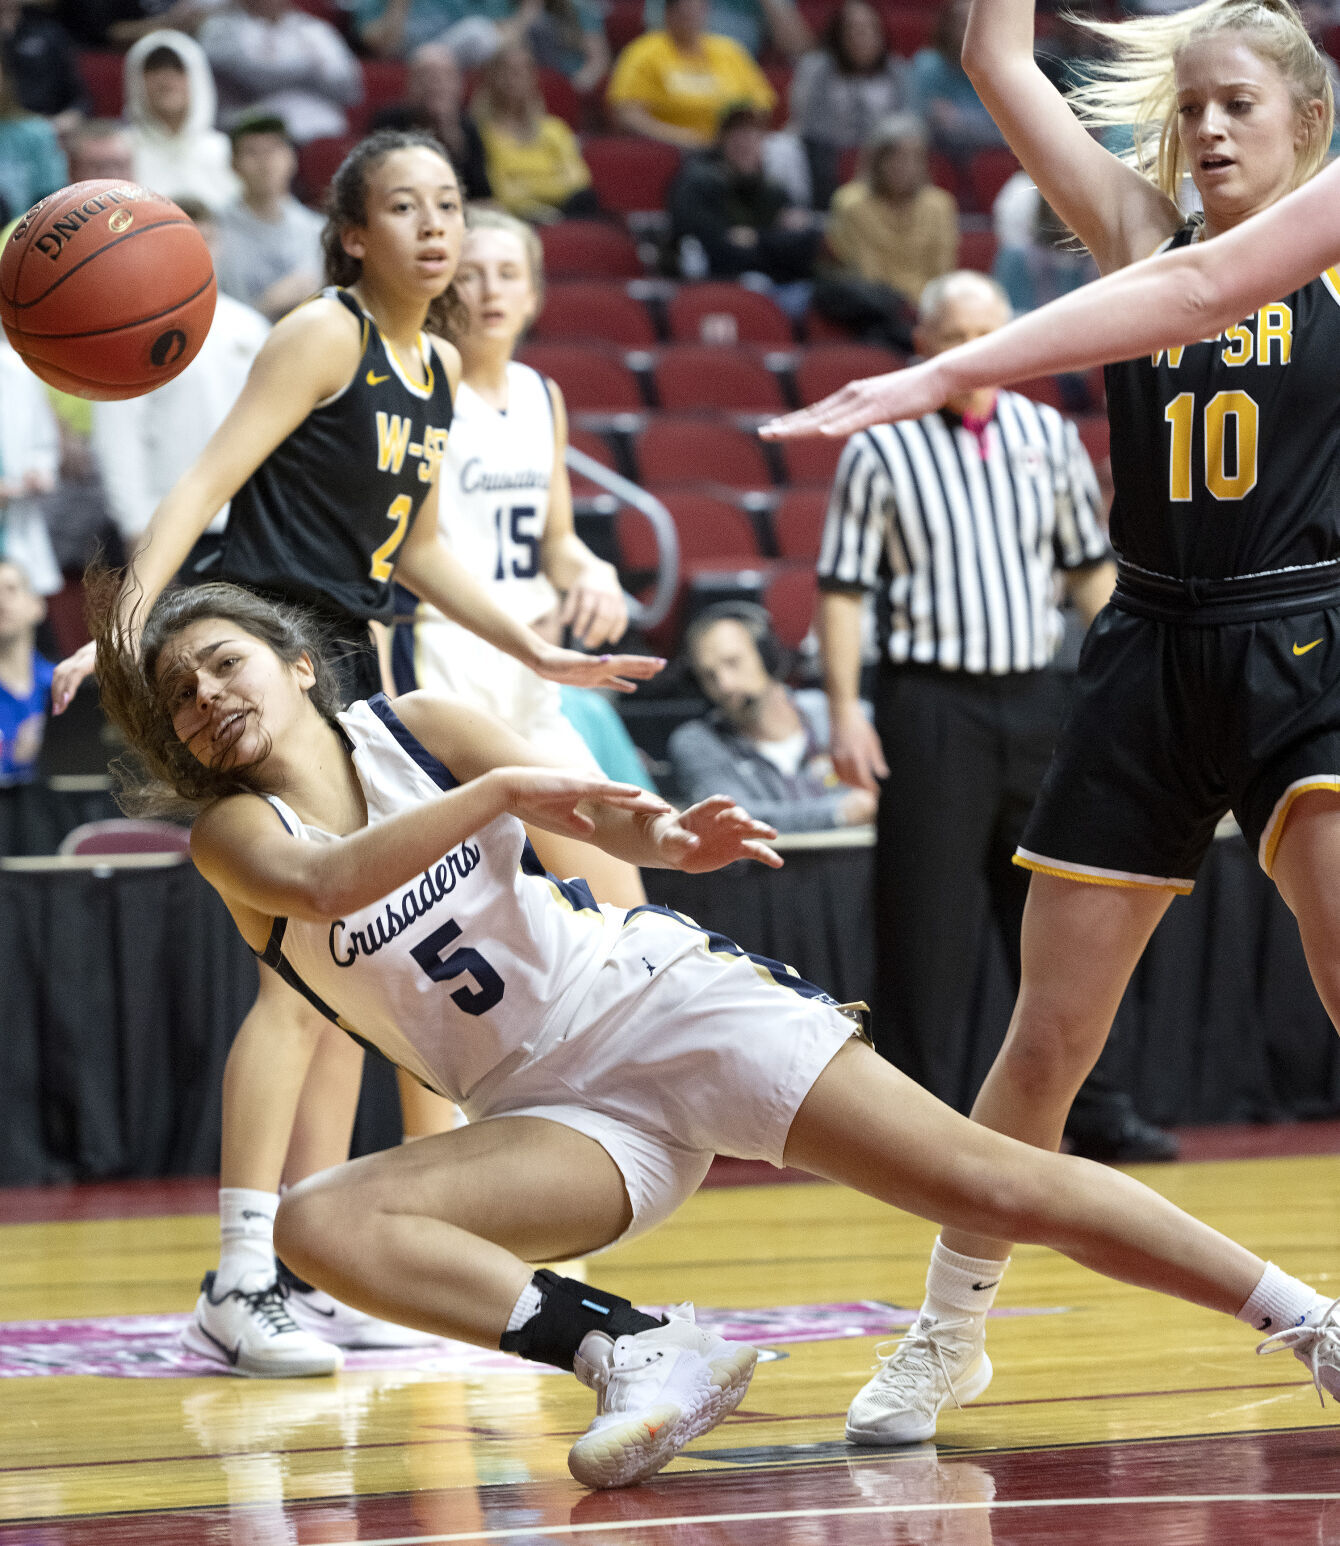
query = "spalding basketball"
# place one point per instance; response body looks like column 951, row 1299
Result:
column 106, row 289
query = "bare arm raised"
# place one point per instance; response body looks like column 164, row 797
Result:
column 1175, row 298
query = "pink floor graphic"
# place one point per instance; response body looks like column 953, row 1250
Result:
column 149, row 1346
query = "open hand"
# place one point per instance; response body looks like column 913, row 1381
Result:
column 68, row 675
column 714, row 833
column 549, row 797
column 621, row 672
column 901, row 394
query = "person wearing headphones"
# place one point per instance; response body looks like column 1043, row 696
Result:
column 762, row 743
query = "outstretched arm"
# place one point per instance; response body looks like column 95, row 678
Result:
column 1175, row 298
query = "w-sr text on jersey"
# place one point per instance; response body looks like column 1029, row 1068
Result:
column 346, row 944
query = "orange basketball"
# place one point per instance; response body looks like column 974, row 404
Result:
column 106, row 289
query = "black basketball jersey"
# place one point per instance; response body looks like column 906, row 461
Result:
column 1224, row 453
column 323, row 516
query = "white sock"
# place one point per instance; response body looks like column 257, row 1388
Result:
column 1278, row 1301
column 246, row 1238
column 526, row 1307
column 958, row 1286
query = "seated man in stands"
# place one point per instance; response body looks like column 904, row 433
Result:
column 762, row 743
column 741, row 220
column 269, row 245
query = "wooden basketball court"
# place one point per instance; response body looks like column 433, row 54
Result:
column 1115, row 1416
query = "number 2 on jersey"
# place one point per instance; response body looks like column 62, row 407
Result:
column 1222, row 408
column 518, row 546
column 383, row 560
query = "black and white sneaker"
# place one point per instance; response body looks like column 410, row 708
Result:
column 252, row 1333
column 324, row 1316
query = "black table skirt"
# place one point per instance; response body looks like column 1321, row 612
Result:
column 122, row 989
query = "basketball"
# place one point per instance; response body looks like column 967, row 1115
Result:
column 106, row 289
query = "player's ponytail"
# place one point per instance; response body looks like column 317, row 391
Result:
column 346, row 204
column 1135, row 88
column 160, row 777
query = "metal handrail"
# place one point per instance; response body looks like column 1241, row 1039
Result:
column 647, row 614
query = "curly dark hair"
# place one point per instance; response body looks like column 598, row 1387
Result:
column 346, row 204
column 160, row 777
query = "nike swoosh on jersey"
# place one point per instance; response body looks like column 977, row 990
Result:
column 375, row 380
column 1302, row 649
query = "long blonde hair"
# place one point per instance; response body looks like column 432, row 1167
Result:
column 1137, row 86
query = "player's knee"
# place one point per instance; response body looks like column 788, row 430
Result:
column 311, row 1222
column 1050, row 1048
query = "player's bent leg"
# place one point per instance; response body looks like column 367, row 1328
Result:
column 323, row 1123
column 866, row 1125
column 1306, row 862
column 242, row 1319
column 435, row 1233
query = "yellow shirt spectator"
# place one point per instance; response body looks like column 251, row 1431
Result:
column 535, row 176
column 688, row 91
column 903, row 246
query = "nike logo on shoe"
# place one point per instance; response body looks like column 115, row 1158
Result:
column 229, row 1353
column 978, row 1288
column 248, row 1213
column 317, row 1310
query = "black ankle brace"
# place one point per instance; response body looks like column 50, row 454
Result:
column 568, row 1310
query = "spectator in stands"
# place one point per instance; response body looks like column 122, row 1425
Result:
column 39, row 57
column 434, row 90
column 100, row 147
column 32, row 163
column 29, row 462
column 753, row 24
column 727, row 217
column 170, row 102
column 843, row 89
column 25, row 677
column 892, row 232
column 567, row 36
column 269, row 245
column 534, row 162
column 270, row 57
column 119, row 23
column 675, row 84
column 144, row 444
column 564, row 35
column 762, row 743
column 944, row 96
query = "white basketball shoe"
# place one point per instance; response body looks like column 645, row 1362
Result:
column 252, row 1332
column 315, row 1311
column 656, row 1392
column 935, row 1363
column 1315, row 1342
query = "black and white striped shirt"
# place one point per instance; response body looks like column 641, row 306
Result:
column 960, row 538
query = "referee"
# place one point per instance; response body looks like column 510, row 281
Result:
column 960, row 524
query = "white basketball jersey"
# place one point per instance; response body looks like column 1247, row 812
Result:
column 466, row 971
column 493, row 506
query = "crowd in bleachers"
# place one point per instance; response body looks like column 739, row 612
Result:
column 740, row 202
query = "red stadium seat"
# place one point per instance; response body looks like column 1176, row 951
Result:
column 1042, row 389
column 623, row 23
column 798, row 522
column 812, row 461
column 1095, row 435
column 977, row 249
column 630, row 173
column 596, row 447
column 690, row 377
column 988, row 172
column 592, row 379
column 818, row 329
column 824, row 368
column 595, row 308
column 103, row 74
column 318, row 161
column 944, row 174
column 707, row 313
column 684, row 449
column 384, row 83
column 711, row 529
column 123, row 836
column 589, row 249
column 791, row 597
column 909, row 27
column 327, row 10
column 560, row 98
column 779, row 74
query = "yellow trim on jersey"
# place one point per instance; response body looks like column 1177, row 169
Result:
column 425, row 354
column 1274, row 829
column 1091, row 876
column 1331, row 279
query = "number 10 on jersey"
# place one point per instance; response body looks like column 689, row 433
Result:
column 1229, row 437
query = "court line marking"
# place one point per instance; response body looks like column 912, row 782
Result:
column 762, row 1515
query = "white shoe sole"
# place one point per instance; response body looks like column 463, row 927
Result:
column 195, row 1341
column 915, row 1427
column 623, row 1453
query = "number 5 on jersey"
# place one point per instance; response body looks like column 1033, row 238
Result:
column 1230, row 423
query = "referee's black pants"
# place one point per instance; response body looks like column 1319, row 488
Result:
column 966, row 756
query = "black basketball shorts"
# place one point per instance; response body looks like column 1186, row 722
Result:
column 1172, row 725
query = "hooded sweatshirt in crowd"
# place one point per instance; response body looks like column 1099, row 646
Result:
column 196, row 161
